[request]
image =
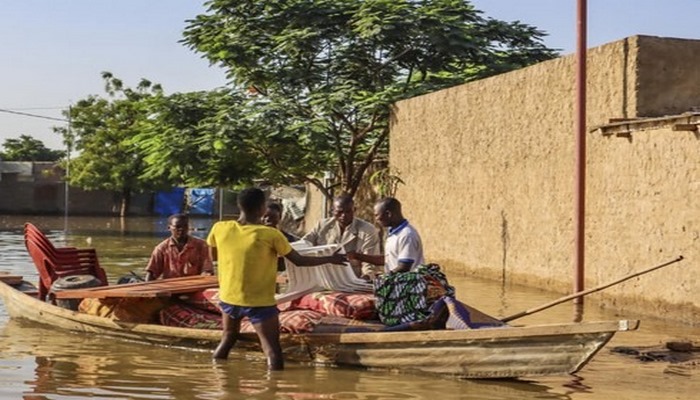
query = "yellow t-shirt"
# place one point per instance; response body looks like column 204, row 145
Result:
column 247, row 256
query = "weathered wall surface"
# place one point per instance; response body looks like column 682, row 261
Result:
column 669, row 74
column 38, row 188
column 489, row 172
column 643, row 210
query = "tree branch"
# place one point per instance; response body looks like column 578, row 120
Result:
column 371, row 155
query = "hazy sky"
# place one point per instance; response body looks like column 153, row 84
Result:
column 54, row 50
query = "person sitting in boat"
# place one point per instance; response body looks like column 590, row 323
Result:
column 403, row 249
column 273, row 216
column 407, row 291
column 356, row 235
column 247, row 253
column 179, row 255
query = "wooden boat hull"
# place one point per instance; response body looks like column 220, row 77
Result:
column 507, row 352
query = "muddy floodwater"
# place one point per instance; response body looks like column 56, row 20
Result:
column 38, row 362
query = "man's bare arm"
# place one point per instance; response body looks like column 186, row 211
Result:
column 308, row 261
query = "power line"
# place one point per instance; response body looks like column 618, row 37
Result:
column 32, row 115
column 37, row 108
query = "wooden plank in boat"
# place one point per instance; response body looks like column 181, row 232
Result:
column 11, row 279
column 157, row 288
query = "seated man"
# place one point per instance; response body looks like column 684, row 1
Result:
column 355, row 234
column 177, row 256
column 180, row 254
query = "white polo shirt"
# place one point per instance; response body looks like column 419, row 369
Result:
column 403, row 244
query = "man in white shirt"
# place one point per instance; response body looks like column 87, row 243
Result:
column 355, row 234
column 403, row 250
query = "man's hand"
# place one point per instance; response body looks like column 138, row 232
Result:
column 308, row 261
column 337, row 258
column 357, row 258
column 368, row 273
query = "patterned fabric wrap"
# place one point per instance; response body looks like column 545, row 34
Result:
column 299, row 321
column 462, row 316
column 407, row 297
column 359, row 306
column 186, row 316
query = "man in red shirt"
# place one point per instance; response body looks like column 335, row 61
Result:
column 180, row 254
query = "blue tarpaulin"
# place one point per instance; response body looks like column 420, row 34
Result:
column 201, row 201
column 170, row 202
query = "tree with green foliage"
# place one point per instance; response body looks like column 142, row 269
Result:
column 26, row 148
column 101, row 131
column 321, row 75
column 192, row 139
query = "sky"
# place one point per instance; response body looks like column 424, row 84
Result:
column 53, row 51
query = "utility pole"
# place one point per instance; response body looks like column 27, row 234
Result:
column 66, row 190
column 580, row 175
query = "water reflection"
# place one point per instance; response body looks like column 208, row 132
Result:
column 79, row 366
column 37, row 362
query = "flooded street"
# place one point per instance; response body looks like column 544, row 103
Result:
column 37, row 362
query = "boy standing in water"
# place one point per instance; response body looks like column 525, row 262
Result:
column 247, row 253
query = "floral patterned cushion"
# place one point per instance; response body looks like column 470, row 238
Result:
column 349, row 305
column 187, row 316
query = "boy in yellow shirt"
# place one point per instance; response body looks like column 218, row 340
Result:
column 247, row 253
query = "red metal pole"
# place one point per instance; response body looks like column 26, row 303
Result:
column 580, row 185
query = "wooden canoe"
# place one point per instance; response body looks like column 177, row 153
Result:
column 505, row 352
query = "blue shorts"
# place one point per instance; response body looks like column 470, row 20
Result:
column 255, row 314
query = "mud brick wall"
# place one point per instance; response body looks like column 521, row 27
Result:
column 489, row 173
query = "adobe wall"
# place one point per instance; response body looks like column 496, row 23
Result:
column 48, row 198
column 489, row 173
column 669, row 76
column 643, row 187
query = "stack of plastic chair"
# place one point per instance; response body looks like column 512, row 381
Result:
column 53, row 263
column 338, row 278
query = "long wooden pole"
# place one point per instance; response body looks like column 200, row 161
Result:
column 586, row 292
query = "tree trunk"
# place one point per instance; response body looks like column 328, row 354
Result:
column 126, row 202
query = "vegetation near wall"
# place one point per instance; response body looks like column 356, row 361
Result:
column 489, row 174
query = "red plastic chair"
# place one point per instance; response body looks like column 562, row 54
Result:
column 60, row 254
column 54, row 262
column 30, row 230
